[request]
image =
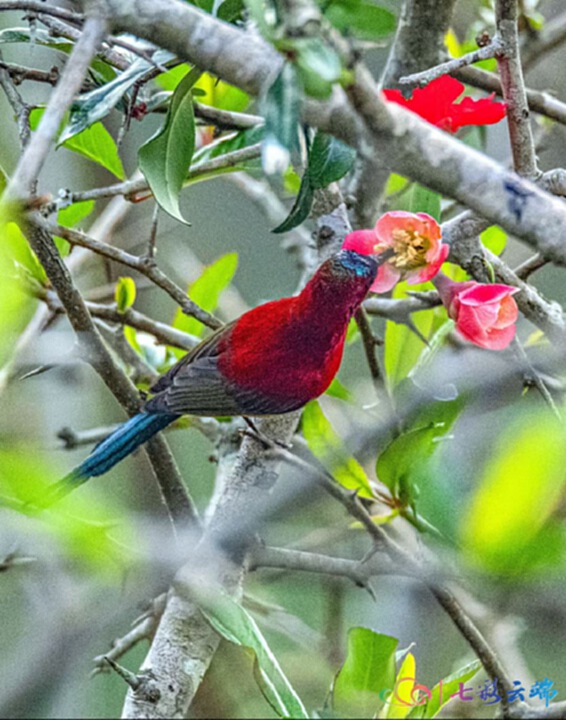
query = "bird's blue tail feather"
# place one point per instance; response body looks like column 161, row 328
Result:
column 123, row 441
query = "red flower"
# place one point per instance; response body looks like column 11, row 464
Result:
column 435, row 104
column 484, row 314
column 415, row 237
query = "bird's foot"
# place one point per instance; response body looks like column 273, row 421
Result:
column 268, row 443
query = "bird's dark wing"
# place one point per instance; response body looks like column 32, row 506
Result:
column 195, row 386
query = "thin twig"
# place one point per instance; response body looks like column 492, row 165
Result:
column 511, row 73
column 225, row 119
column 20, row 108
column 178, row 501
column 420, row 79
column 144, row 265
column 62, row 29
column 31, row 162
column 41, row 8
column 529, row 266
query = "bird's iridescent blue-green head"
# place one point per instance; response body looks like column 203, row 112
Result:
column 352, row 263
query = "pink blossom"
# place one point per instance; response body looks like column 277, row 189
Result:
column 416, row 239
column 484, row 314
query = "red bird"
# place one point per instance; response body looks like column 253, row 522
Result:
column 272, row 360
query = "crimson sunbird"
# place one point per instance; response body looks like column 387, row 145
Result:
column 273, row 359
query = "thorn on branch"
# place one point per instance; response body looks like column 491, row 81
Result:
column 144, row 687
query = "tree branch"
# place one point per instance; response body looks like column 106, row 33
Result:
column 511, row 73
column 178, row 502
column 144, row 265
column 24, row 179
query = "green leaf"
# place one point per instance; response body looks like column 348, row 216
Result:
column 327, row 447
column 301, row 207
column 225, row 145
column 424, row 200
column 166, row 157
column 520, row 488
column 402, row 462
column 281, row 109
column 258, row 11
column 16, row 304
column 71, row 217
column 365, row 20
column 400, row 702
column 38, row 36
column 3, row 180
column 206, row 291
column 230, row 620
column 96, row 143
column 368, row 670
column 494, row 239
column 318, row 65
column 97, row 103
column 125, row 293
column 329, row 160
column 402, row 346
column 449, row 685
column 339, row 390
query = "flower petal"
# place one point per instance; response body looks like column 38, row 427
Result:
column 480, row 293
column 393, row 220
column 431, row 269
column 361, row 241
column 387, row 277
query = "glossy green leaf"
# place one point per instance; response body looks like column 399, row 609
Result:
column 327, row 447
column 96, row 143
column 365, row 20
column 281, row 109
column 125, row 293
column 425, row 201
column 301, row 207
column 206, row 291
column 329, row 160
column 166, row 157
column 368, row 670
column 231, row 620
column 96, row 104
column 449, row 685
column 520, row 488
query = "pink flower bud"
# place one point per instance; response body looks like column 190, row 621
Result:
column 484, row 314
